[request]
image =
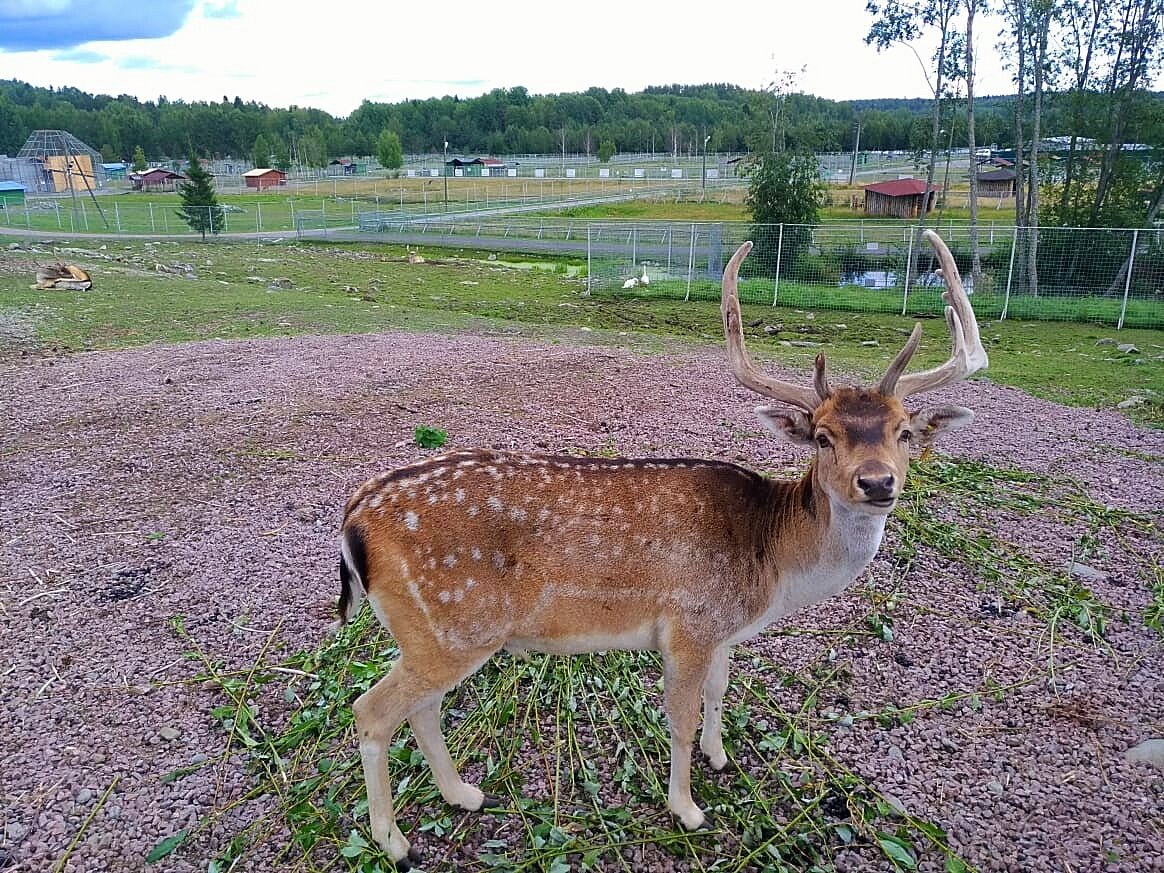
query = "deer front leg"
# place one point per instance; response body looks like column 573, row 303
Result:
column 684, row 672
column 711, row 739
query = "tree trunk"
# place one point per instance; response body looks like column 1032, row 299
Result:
column 1019, row 23
column 975, row 257
column 1042, row 26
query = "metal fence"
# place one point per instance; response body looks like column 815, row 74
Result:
column 1113, row 277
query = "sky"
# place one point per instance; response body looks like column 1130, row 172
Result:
column 334, row 57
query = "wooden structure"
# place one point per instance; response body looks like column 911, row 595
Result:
column 996, row 183
column 474, row 167
column 156, row 179
column 264, row 177
column 11, row 193
column 900, row 198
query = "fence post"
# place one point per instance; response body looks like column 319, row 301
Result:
column 210, row 218
column 779, row 254
column 908, row 267
column 1009, row 274
column 258, row 217
column 1128, row 279
column 589, row 268
column 690, row 264
column 117, row 217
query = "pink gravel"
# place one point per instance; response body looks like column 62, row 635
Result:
column 206, row 480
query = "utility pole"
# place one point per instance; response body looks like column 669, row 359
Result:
column 445, row 172
column 703, row 177
column 856, row 149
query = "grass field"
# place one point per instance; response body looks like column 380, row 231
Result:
column 143, row 293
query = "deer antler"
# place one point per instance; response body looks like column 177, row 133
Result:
column 744, row 370
column 966, row 355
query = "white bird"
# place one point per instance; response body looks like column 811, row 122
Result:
column 645, row 279
column 630, row 283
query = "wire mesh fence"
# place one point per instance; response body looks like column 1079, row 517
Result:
column 1108, row 276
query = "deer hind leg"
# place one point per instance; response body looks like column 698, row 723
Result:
column 711, row 739
column 685, row 670
column 426, row 727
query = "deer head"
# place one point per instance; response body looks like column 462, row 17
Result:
column 862, row 435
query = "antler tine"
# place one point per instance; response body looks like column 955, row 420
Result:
column 744, row 370
column 888, row 383
column 966, row 354
column 820, row 379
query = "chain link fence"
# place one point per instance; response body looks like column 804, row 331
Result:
column 1108, row 276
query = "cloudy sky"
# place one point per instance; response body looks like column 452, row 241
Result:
column 334, row 55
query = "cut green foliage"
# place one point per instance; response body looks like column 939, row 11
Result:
column 429, row 437
column 165, row 847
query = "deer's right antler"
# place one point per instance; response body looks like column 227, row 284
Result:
column 745, row 371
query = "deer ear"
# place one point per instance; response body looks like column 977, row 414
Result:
column 789, row 425
column 927, row 424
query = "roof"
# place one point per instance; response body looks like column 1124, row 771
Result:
column 900, row 188
column 11, row 185
column 262, row 171
column 154, row 171
column 1002, row 175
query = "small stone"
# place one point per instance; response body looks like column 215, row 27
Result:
column 14, row 831
column 894, row 802
column 995, row 787
column 870, row 343
column 84, row 796
column 895, row 753
column 1130, row 402
column 1148, row 752
column 169, row 734
column 845, row 721
column 1088, row 574
column 1127, row 349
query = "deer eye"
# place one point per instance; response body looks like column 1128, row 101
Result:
column 905, row 436
column 822, row 440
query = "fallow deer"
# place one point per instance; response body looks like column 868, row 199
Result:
column 476, row 551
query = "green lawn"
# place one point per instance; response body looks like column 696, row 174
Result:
column 352, row 288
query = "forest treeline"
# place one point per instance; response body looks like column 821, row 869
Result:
column 673, row 119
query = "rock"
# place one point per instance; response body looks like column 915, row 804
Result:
column 1127, row 349
column 800, row 344
column 894, row 802
column 85, row 795
column 1130, row 402
column 870, row 343
column 169, row 733
column 895, row 753
column 995, row 787
column 756, row 322
column 1105, row 341
column 280, row 284
column 1147, row 752
column 14, row 831
column 1086, row 573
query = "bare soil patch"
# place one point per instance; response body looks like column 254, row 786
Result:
column 206, row 481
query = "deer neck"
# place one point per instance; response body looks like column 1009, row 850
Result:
column 821, row 548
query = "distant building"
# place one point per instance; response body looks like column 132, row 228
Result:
column 901, row 198
column 474, row 167
column 996, row 183
column 264, row 177
column 11, row 192
column 156, row 179
column 116, row 170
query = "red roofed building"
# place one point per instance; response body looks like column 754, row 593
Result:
column 901, row 198
column 264, row 177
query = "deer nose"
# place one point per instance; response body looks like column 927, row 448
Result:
column 878, row 485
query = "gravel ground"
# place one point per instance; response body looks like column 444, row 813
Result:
column 206, row 480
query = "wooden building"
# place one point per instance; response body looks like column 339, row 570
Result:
column 901, row 198
column 156, row 179
column 264, row 177
column 996, row 183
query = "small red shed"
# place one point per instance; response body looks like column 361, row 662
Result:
column 264, row 177
column 903, row 198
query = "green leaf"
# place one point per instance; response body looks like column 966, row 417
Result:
column 897, row 852
column 429, row 437
column 166, row 846
column 955, row 865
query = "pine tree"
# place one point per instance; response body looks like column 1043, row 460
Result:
column 200, row 208
column 139, row 159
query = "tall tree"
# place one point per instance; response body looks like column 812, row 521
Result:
column 389, row 151
column 972, row 9
column 139, row 159
column 903, row 22
column 200, row 208
column 784, row 188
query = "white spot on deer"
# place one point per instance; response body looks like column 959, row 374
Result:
column 458, row 595
column 433, row 497
column 405, row 571
column 375, row 502
column 476, row 553
column 411, row 520
column 543, row 515
column 494, row 473
column 459, row 495
column 444, row 597
column 458, row 474
column 464, row 464
column 473, row 510
column 518, row 514
column 498, row 561
column 494, row 503
column 470, row 583
column 450, row 560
